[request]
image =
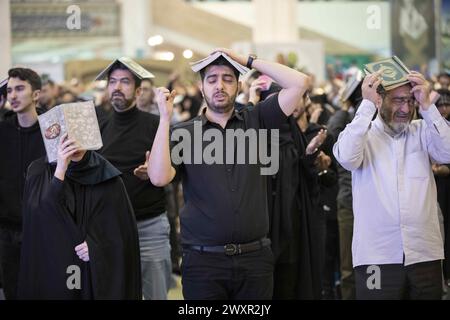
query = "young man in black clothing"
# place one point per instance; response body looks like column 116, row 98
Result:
column 127, row 134
column 20, row 143
column 225, row 222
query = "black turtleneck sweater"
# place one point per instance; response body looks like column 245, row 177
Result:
column 19, row 147
column 126, row 137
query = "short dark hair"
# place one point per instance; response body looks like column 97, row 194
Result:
column 444, row 98
column 220, row 61
column 27, row 75
column 120, row 66
column 148, row 80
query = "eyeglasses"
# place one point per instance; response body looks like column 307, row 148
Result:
column 399, row 101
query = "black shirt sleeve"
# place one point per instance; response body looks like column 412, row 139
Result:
column 271, row 115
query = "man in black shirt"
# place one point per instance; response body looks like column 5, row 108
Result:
column 20, row 144
column 225, row 221
column 127, row 134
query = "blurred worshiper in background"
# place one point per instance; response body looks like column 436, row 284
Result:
column 397, row 238
column 79, row 232
column 292, row 201
column 145, row 99
column 49, row 93
column 442, row 176
column 20, row 144
column 351, row 98
column 128, row 134
column 3, row 99
column 443, row 81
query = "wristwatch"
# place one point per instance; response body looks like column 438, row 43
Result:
column 251, row 57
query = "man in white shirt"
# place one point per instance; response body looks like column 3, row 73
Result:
column 397, row 244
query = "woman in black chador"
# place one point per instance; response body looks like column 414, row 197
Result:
column 79, row 233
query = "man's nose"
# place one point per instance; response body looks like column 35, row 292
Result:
column 117, row 86
column 219, row 84
column 12, row 95
column 406, row 107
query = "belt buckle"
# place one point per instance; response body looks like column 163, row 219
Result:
column 231, row 249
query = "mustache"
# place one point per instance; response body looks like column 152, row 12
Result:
column 221, row 93
column 118, row 93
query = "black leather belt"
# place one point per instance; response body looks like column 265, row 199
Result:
column 232, row 249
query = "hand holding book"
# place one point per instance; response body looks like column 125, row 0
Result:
column 369, row 87
column 421, row 89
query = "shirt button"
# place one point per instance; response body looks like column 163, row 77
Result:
column 233, row 189
column 229, row 170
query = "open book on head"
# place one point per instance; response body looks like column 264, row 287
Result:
column 203, row 63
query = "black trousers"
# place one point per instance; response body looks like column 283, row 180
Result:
column 10, row 246
column 421, row 281
column 215, row 276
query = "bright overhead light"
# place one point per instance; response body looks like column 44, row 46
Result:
column 164, row 55
column 188, row 54
column 155, row 40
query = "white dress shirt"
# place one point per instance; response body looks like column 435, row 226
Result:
column 394, row 192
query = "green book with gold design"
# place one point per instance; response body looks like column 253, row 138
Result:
column 394, row 72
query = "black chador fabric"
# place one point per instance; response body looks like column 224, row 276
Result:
column 293, row 225
column 90, row 205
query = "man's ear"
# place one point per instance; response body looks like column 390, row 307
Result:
column 239, row 86
column 35, row 95
column 201, row 88
column 138, row 91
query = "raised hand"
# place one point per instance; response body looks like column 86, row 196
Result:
column 141, row 171
column 369, row 88
column 421, row 89
column 241, row 59
column 164, row 99
column 66, row 149
column 316, row 142
column 82, row 251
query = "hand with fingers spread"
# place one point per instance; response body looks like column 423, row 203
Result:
column 82, row 251
column 369, row 88
column 66, row 149
column 421, row 89
column 316, row 142
column 141, row 171
column 164, row 99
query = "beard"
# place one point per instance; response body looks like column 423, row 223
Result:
column 221, row 107
column 120, row 103
column 388, row 117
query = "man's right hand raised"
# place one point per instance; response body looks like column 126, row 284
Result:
column 164, row 99
column 369, row 88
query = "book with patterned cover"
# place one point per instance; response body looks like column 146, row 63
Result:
column 78, row 119
column 394, row 72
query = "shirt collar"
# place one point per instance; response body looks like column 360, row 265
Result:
column 204, row 119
